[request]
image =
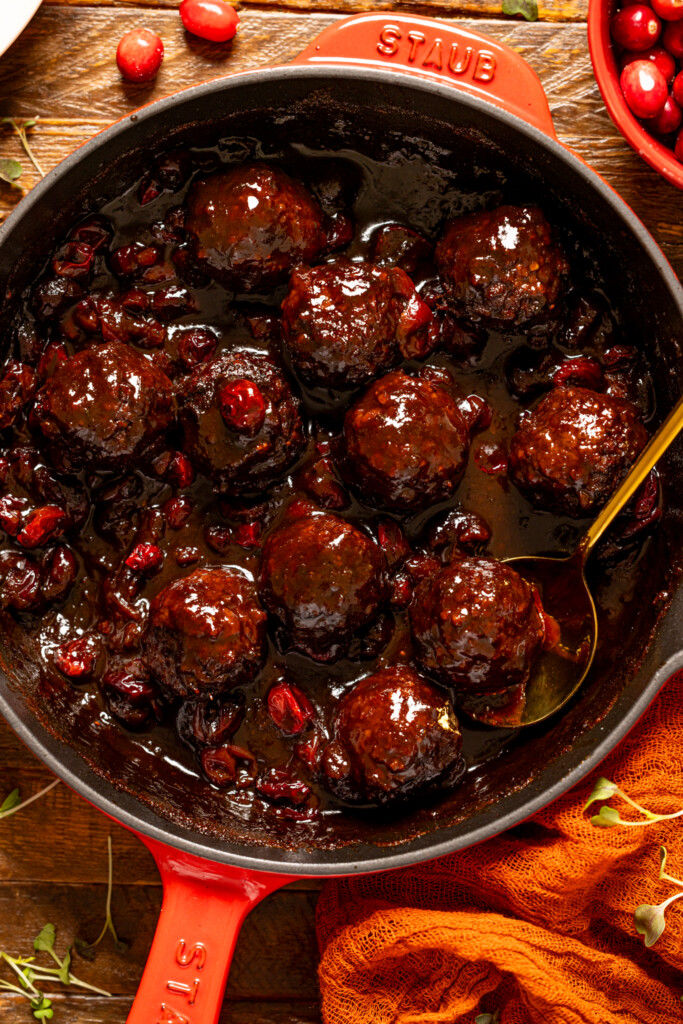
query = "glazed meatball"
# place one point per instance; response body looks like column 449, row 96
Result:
column 240, row 421
column 106, row 407
column 477, row 625
column 250, row 226
column 406, row 443
column 344, row 323
column 323, row 578
column 502, row 265
column 573, row 449
column 394, row 735
column 206, row 633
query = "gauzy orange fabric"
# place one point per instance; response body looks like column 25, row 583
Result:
column 536, row 923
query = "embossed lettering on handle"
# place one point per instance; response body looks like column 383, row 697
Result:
column 442, row 55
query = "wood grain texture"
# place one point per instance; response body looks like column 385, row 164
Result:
column 89, row 1010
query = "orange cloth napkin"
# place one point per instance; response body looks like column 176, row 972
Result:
column 536, row 923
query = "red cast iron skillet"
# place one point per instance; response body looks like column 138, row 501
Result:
column 383, row 85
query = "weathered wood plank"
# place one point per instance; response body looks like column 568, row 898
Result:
column 93, row 1010
column 276, row 955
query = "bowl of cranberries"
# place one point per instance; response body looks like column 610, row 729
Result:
column 637, row 53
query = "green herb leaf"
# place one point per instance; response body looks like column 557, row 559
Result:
column 487, row 1018
column 650, row 922
column 607, row 817
column 45, row 940
column 603, row 790
column 527, row 8
column 10, row 171
column 10, row 801
column 84, row 950
column 64, row 969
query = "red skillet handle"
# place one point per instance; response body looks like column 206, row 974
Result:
column 201, row 915
column 441, row 51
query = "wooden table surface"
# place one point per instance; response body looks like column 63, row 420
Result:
column 53, row 856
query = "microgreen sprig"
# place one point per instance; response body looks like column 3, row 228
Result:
column 10, row 169
column 30, row 974
column 87, row 949
column 607, row 817
column 488, row 1018
column 14, row 803
column 650, row 920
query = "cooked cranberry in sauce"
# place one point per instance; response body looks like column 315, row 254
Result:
column 573, row 449
column 406, row 443
column 250, row 226
column 323, row 579
column 502, row 266
column 477, row 625
column 344, row 323
column 395, row 734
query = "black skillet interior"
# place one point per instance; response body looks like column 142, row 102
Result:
column 433, row 144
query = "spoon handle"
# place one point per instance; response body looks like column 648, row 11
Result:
column 655, row 448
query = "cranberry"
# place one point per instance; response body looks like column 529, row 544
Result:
column 210, row 723
column 41, row 525
column 263, row 325
column 319, row 481
column 339, row 231
column 290, row 708
column 94, row 231
column 20, row 586
column 219, row 538
column 180, row 471
column 59, row 573
column 635, row 27
column 668, row 119
column 248, row 535
column 644, row 88
column 53, row 355
column 491, row 458
column 278, row 784
column 134, row 259
column 177, row 511
column 669, row 10
column 678, row 147
column 476, row 412
column 242, row 406
column 677, row 89
column 582, row 372
column 139, row 55
column 17, row 387
column 187, row 556
column 672, row 38
column 53, row 296
column 393, row 541
column 77, row 658
column 416, row 315
column 146, row 558
column 399, row 246
column 458, row 532
column 660, row 57
column 195, row 345
column 229, row 764
column 214, row 20
column 129, row 694
column 172, row 302
column 75, row 260
column 620, row 357
column 646, row 508
column 149, row 190
column 310, row 751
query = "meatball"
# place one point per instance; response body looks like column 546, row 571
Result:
column 206, row 633
column 248, row 227
column 502, row 265
column 477, row 625
column 573, row 449
column 394, row 735
column 406, row 443
column 344, row 323
column 323, row 578
column 240, row 421
column 106, row 407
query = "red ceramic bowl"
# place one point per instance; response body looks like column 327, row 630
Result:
column 607, row 72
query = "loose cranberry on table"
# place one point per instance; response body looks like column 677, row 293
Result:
column 139, row 55
column 214, row 20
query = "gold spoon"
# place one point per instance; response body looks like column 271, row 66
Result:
column 559, row 672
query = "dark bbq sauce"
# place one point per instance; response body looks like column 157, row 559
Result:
column 509, row 372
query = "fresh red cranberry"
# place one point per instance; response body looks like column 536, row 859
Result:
column 195, row 345
column 180, row 471
column 177, row 511
column 672, row 38
column 491, row 458
column 41, row 525
column 214, row 20
column 54, row 355
column 242, row 406
column 644, row 88
column 581, row 372
column 668, row 10
column 659, row 56
column 248, row 535
column 145, row 558
column 290, row 708
column 75, row 260
column 678, row 147
column 59, row 570
column 677, row 89
column 219, row 538
column 139, row 55
column 635, row 27
column 187, row 556
column 393, row 541
column 77, row 658
column 668, row 119
column 278, row 784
